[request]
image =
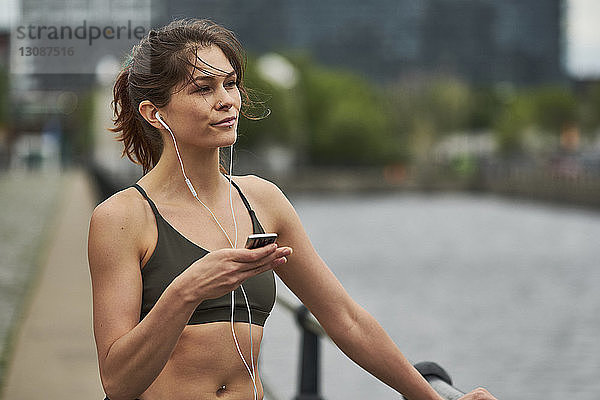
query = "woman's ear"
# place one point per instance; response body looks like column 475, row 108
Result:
column 148, row 112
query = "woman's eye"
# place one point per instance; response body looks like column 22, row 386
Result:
column 202, row 89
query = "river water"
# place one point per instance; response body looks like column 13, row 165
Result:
column 502, row 294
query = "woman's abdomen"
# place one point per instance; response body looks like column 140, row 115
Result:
column 205, row 364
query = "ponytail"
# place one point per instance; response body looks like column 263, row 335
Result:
column 142, row 146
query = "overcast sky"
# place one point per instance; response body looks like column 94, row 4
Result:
column 582, row 39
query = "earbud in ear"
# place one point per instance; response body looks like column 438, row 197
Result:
column 157, row 115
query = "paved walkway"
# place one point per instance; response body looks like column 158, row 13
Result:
column 55, row 356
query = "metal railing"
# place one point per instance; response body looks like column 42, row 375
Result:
column 312, row 331
column 309, row 365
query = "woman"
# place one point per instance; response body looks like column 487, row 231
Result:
column 171, row 245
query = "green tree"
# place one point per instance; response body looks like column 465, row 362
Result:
column 329, row 117
column 347, row 119
column 274, row 116
column 425, row 111
column 448, row 102
column 513, row 119
column 4, row 96
column 546, row 109
column 554, row 108
column 589, row 109
column 80, row 123
column 484, row 104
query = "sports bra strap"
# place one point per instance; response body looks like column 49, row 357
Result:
column 246, row 203
column 152, row 205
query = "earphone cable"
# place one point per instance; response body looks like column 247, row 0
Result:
column 195, row 194
column 251, row 372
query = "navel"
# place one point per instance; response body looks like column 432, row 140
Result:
column 221, row 390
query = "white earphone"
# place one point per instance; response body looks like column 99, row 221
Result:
column 157, row 115
column 251, row 371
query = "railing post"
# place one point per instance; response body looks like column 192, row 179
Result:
column 308, row 388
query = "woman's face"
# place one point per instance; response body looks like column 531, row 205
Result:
column 205, row 112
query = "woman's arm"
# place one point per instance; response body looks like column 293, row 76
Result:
column 131, row 353
column 353, row 329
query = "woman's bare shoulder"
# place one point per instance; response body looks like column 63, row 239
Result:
column 271, row 205
column 122, row 208
column 125, row 214
column 259, row 189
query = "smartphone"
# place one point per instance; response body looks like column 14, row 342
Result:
column 260, row 239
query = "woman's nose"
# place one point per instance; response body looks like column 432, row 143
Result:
column 225, row 101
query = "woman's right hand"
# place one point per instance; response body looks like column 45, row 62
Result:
column 222, row 271
column 478, row 394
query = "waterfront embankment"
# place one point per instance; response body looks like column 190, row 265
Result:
column 51, row 351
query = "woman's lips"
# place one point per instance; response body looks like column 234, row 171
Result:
column 226, row 122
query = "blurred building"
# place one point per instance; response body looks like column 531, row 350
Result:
column 484, row 42
column 58, row 50
column 480, row 41
column 68, row 39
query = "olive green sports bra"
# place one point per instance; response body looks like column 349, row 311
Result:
column 174, row 253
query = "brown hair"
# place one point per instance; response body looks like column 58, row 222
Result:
column 157, row 64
